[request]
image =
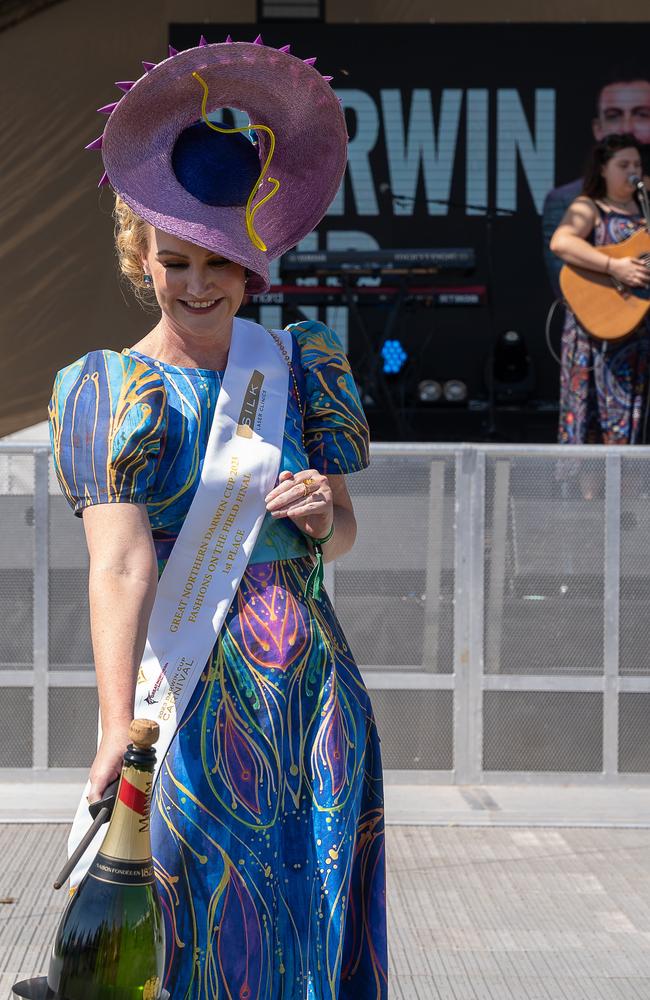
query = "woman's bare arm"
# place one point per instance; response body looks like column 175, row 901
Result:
column 569, row 241
column 122, row 587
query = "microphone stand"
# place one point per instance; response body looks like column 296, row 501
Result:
column 642, row 193
column 490, row 215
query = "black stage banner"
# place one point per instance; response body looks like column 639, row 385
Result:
column 457, row 135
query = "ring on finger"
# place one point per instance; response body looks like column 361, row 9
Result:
column 310, row 486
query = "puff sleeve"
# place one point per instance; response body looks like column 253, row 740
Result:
column 107, row 416
column 335, row 426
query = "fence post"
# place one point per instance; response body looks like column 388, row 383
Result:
column 611, row 588
column 41, row 610
column 433, row 565
column 475, row 611
column 498, row 556
column 468, row 616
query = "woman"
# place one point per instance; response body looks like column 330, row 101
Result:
column 603, row 388
column 267, row 820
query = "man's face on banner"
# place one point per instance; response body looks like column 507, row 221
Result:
column 624, row 107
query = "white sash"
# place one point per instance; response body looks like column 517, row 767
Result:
column 214, row 545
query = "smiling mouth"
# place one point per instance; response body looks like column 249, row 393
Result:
column 196, row 305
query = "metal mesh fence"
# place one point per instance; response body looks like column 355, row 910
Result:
column 16, row 561
column 69, row 624
column 544, row 561
column 496, row 602
column 16, row 747
column 416, row 729
column 543, row 731
column 394, row 591
column 73, row 726
column 635, row 567
column 17, row 473
column 634, row 733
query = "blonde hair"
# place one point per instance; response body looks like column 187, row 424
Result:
column 131, row 242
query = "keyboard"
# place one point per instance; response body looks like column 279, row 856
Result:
column 373, row 261
column 337, row 295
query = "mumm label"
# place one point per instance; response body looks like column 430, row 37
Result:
column 125, row 854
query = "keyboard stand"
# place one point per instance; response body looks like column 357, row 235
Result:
column 378, row 381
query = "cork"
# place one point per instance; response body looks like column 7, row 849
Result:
column 143, row 733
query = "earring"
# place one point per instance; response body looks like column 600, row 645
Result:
column 148, row 280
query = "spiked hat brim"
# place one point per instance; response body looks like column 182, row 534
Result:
column 273, row 88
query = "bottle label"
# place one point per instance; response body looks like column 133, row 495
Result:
column 121, row 872
column 127, row 839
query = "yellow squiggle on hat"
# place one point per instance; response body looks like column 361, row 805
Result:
column 250, row 213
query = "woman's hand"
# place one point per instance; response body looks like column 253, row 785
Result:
column 629, row 271
column 306, row 499
column 108, row 761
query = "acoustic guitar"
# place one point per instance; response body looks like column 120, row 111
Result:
column 603, row 306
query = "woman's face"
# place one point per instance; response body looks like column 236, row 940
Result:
column 198, row 291
column 618, row 169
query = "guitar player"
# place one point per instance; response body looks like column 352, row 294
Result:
column 622, row 105
column 604, row 385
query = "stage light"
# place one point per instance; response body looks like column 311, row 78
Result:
column 394, row 356
column 454, row 391
column 429, row 391
column 512, row 371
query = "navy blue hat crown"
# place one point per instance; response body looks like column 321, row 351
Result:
column 217, row 169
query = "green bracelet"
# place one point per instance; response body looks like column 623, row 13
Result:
column 314, row 583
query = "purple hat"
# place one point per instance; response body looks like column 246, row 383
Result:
column 280, row 94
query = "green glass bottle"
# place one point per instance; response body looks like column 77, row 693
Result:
column 110, row 944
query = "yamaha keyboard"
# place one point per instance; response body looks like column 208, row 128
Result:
column 413, row 261
column 338, row 295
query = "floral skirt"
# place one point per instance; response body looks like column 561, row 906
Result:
column 267, row 822
column 603, row 387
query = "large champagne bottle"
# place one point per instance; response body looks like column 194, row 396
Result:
column 110, row 944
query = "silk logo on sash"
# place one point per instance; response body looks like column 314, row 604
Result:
column 252, row 399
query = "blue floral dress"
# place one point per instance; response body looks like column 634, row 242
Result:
column 603, row 387
column 267, row 822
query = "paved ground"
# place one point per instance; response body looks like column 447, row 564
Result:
column 25, row 800
column 519, row 914
column 475, row 913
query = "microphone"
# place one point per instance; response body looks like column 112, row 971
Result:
column 398, row 199
column 644, row 199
